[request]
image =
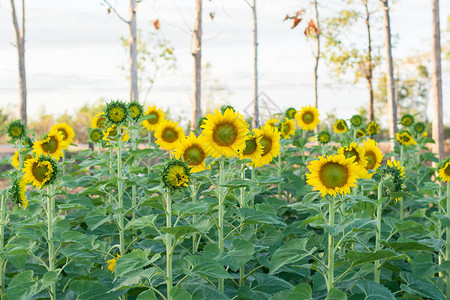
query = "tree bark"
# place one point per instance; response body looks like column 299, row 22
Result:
column 368, row 74
column 392, row 107
column 316, row 56
column 438, row 128
column 20, row 45
column 255, row 121
column 197, row 53
column 132, row 43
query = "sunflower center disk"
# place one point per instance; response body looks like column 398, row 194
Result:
column 333, row 175
column 250, row 147
column 96, row 136
column 340, row 126
column 15, row 131
column 194, row 155
column 40, row 172
column 51, row 146
column 152, row 118
column 101, row 122
column 307, row 117
column 169, row 135
column 117, row 114
column 225, row 134
column 352, row 153
column 447, row 170
column 371, row 160
column 134, row 111
column 64, row 133
column 266, row 144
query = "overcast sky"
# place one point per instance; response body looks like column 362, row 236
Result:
column 74, row 53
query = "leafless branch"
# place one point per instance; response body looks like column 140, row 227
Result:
column 115, row 11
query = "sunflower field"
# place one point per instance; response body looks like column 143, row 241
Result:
column 226, row 212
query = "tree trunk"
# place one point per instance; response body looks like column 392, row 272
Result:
column 438, row 128
column 368, row 74
column 255, row 121
column 316, row 56
column 20, row 45
column 390, row 84
column 197, row 53
column 132, row 41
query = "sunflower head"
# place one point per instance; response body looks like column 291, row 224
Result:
column 372, row 128
column 201, row 121
column 360, row 133
column 396, row 172
column 307, row 117
column 333, row 175
column 405, row 138
column 17, row 189
column 324, row 137
column 272, row 122
column 356, row 121
column 135, row 110
column 168, row 134
column 193, row 151
column 28, row 142
column 52, row 144
column 41, row 171
column 116, row 112
column 290, row 113
column 111, row 133
column 373, row 154
column 175, row 175
column 270, row 142
column 154, row 117
column 112, row 263
column 95, row 135
column 444, row 170
column 15, row 158
column 66, row 131
column 99, row 121
column 223, row 108
column 287, row 128
column 340, row 126
column 16, row 130
column 253, row 148
column 407, row 120
column 359, row 155
column 419, row 127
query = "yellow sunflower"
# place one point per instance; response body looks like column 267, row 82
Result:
column 175, row 175
column 17, row 189
column 407, row 120
column 110, row 133
column 66, row 131
column 253, row 148
column 307, row 118
column 40, row 171
column 192, row 151
column 135, row 110
column 270, row 142
column 225, row 134
column 15, row 159
column 340, row 126
column 96, row 135
column 287, row 128
column 116, row 112
column 373, row 128
column 359, row 153
column 360, row 133
column 444, row 171
column 290, row 113
column 333, row 175
column 397, row 165
column 99, row 121
column 272, row 122
column 373, row 156
column 405, row 138
column 155, row 117
column 16, row 130
column 52, row 144
column 324, row 137
column 169, row 135
column 398, row 171
column 112, row 263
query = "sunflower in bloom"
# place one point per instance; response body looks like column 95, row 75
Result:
column 135, row 110
column 155, row 117
column 290, row 113
column 360, row 133
column 175, row 175
column 373, row 155
column 372, row 128
column 396, row 171
column 356, row 121
column 169, row 135
column 419, row 127
column 444, row 170
column 287, row 128
column 16, row 130
column 333, row 175
column 224, row 108
column 359, row 153
column 110, row 134
column 52, row 144
column 307, row 118
column 17, row 189
column 253, row 148
column 112, row 263
column 225, row 134
column 271, row 122
column 340, row 126
column 407, row 120
column 66, row 131
column 40, row 171
column 15, row 159
column 116, row 112
column 405, row 138
column 193, row 152
column 324, row 137
column 270, row 142
column 99, row 121
column 95, row 135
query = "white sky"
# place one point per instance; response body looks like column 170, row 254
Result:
column 74, row 53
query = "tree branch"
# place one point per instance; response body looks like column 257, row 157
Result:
column 115, row 11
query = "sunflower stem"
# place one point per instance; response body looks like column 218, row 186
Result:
column 120, row 198
column 194, row 217
column 168, row 245
column 279, row 175
column 376, row 272
column 99, row 151
column 51, row 246
column 20, row 155
column 110, row 167
column 241, row 197
column 402, row 208
column 133, row 187
column 149, row 162
column 447, row 237
column 330, row 281
column 3, row 221
column 220, row 217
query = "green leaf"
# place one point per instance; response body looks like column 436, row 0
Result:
column 408, row 246
column 141, row 222
column 409, row 225
column 291, row 252
column 246, row 293
column 270, row 284
column 90, row 290
column 147, row 295
column 178, row 293
column 85, row 240
column 420, row 286
column 180, row 231
column 22, row 287
column 189, row 209
column 203, row 266
column 241, row 253
column 252, row 216
column 133, row 262
column 96, row 218
column 374, row 291
column 335, row 294
column 360, row 258
column 300, row 292
column 200, row 291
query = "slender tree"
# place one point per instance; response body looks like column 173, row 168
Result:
column 368, row 74
column 255, row 119
column 316, row 55
column 438, row 128
column 197, row 54
column 20, row 45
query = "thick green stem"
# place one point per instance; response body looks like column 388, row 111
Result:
column 279, row 175
column 194, row 217
column 99, row 150
column 241, row 196
column 3, row 221
column 20, row 155
column 220, row 216
column 120, row 198
column 447, row 236
column 149, row 162
column 133, row 188
column 51, row 246
column 111, row 157
column 402, row 202
column 169, row 243
column 376, row 272
column 330, row 281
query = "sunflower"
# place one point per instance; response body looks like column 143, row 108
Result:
column 16, row 130
column 135, row 110
column 333, row 175
column 225, row 134
column 116, row 112
column 110, row 134
column 15, row 159
column 112, row 263
column 17, row 189
column 419, row 127
column 201, row 121
column 324, row 137
column 175, row 175
column 224, row 108
column 271, row 122
column 66, row 131
column 373, row 128
column 287, row 128
column 373, row 156
column 407, row 120
column 155, row 117
column 290, row 113
column 444, row 170
column 52, row 144
column 99, row 121
column 253, row 148
column 192, row 151
column 356, row 121
column 359, row 154
column 95, row 135
column 40, row 171
column 340, row 126
column 270, row 142
column 405, row 138
column 360, row 133
column 28, row 142
column 396, row 171
column 307, row 118
column 168, row 134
